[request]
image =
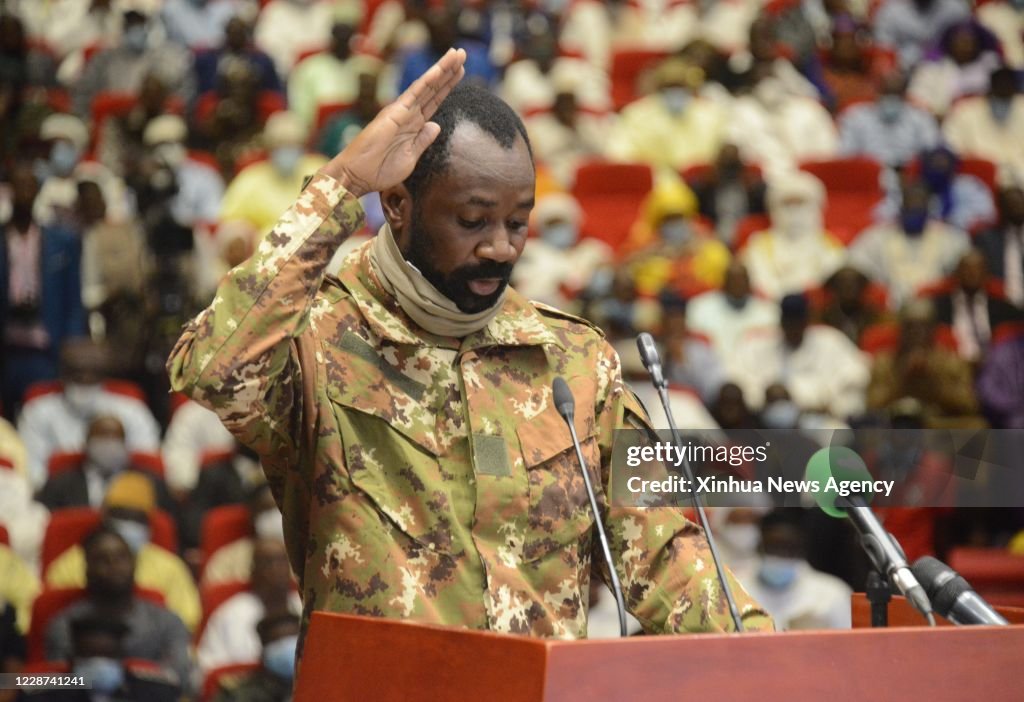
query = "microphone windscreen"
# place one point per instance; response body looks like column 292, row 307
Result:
column 648, row 350
column 562, row 396
column 840, row 463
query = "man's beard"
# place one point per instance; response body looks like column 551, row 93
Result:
column 455, row 285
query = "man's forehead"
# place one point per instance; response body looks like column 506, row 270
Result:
column 477, row 158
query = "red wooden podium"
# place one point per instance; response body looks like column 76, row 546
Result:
column 379, row 660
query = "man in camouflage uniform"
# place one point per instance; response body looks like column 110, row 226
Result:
column 421, row 467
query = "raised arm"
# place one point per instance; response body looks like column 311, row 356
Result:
column 238, row 356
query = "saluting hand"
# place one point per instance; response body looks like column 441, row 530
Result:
column 386, row 151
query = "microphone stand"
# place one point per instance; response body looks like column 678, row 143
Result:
column 879, row 594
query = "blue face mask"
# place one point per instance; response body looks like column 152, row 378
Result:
column 889, row 107
column 63, row 158
column 105, row 674
column 561, row 235
column 279, row 657
column 914, row 221
column 1000, row 108
column 135, row 533
column 675, row 231
column 778, row 573
column 134, row 38
column 284, row 159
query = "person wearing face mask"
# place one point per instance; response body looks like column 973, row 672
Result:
column 127, row 508
column 232, row 562
column 669, row 249
column 724, row 316
column 142, row 51
column 230, row 635
column 821, row 369
column 287, row 28
column 261, row 192
column 911, row 252
column 738, row 534
column 566, row 136
column 152, row 633
column 200, row 24
column 728, row 191
column 888, row 129
column 273, row 680
column 797, row 595
column 990, row 126
column 57, row 417
column 558, row 265
column 673, row 127
column 98, row 654
column 796, row 253
column 40, row 296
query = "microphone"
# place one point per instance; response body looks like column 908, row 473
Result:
column 953, row 596
column 834, row 465
column 566, row 406
column 652, row 362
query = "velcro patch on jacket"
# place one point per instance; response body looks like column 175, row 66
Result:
column 490, row 455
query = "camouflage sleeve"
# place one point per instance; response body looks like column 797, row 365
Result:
column 662, row 559
column 238, row 356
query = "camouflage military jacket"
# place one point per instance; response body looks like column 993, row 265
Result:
column 425, row 477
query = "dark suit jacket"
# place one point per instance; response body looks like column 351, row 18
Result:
column 992, row 245
column 61, row 304
column 68, row 489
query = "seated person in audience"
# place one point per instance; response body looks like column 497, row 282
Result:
column 990, row 126
column 911, row 252
column 848, row 307
column 766, row 56
column 970, row 308
column 200, row 25
column 959, row 199
column 565, row 136
column 730, row 409
column 19, row 586
column 797, row 595
column 58, row 421
column 689, row 360
column 224, row 480
column 261, row 192
column 922, row 369
column 737, row 534
column 24, row 519
column 1001, row 384
column 820, row 368
column 670, row 248
column 230, row 633
column 285, row 29
column 672, row 127
column 237, row 48
column 967, row 54
column 558, row 264
column 330, row 76
column 98, row 652
column 727, row 192
column 1003, row 244
column 1005, row 19
column 442, row 23
column 104, row 459
column 66, row 139
column 725, row 316
column 848, row 70
column 910, row 28
column 193, row 431
column 141, row 51
column 888, row 129
column 232, row 562
column 40, row 289
column 778, row 130
column 272, row 681
column 127, row 508
column 796, row 253
column 153, row 632
column 342, row 128
column 120, row 141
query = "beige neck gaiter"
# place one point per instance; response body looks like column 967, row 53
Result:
column 424, row 304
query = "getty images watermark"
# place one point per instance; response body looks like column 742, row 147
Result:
column 893, row 467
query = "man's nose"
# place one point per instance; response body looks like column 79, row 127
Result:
column 498, row 247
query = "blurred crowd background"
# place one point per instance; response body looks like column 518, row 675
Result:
column 815, row 206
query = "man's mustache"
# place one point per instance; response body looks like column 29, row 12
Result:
column 486, row 270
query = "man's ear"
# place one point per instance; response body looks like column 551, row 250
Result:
column 397, row 205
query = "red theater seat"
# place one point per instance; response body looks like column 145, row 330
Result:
column 996, row 574
column 627, row 67
column 885, row 337
column 213, row 596
column 854, row 189
column 68, row 527
column 222, row 526
column 610, row 195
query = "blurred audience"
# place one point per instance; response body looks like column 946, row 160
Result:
column 233, row 562
column 1003, row 244
column 727, row 192
column 272, row 680
column 990, row 125
column 236, row 50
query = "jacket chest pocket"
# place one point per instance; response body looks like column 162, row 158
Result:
column 559, row 514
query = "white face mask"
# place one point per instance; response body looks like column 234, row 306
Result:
column 109, row 456
column 135, row 533
column 83, row 399
column 561, row 235
column 284, row 159
column 797, row 221
column 742, row 538
column 269, row 525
